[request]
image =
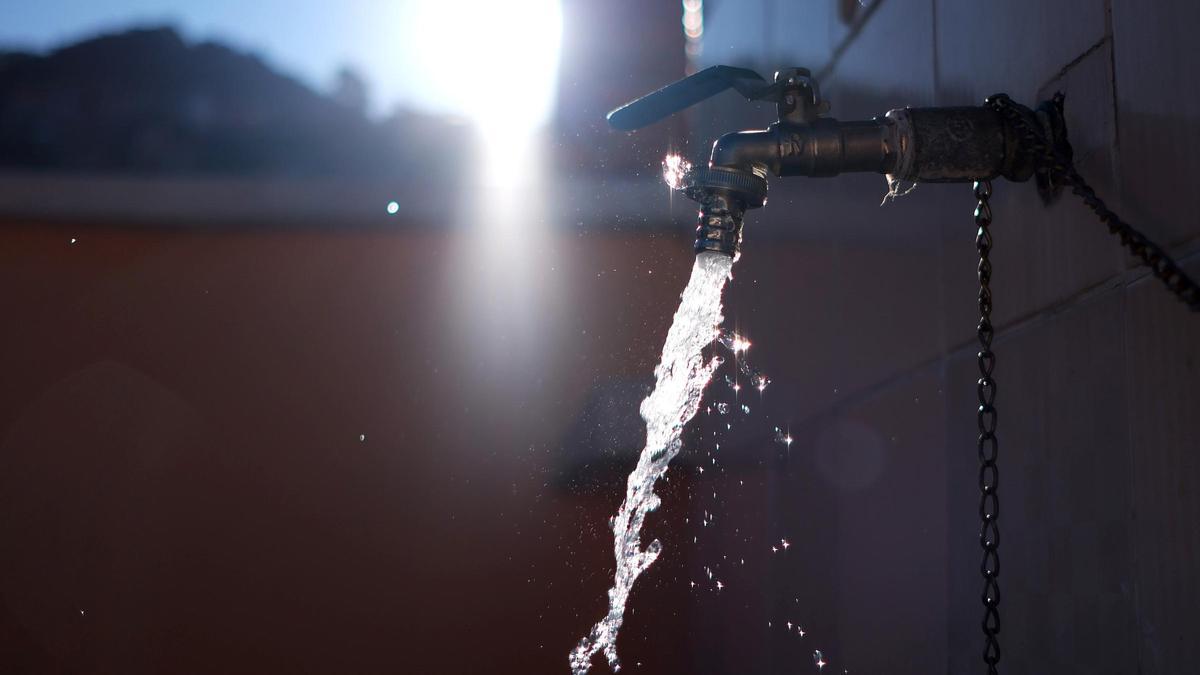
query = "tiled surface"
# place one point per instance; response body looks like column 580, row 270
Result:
column 1096, row 364
column 1066, row 575
column 1163, row 346
column 1097, row 424
column 1042, row 255
column 863, row 328
column 897, row 27
column 831, row 320
column 1157, row 67
column 984, row 47
column 883, row 462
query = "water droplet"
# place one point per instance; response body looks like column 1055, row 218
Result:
column 362, row 438
column 73, row 240
column 745, row 409
column 732, row 341
column 819, row 659
column 393, row 208
column 675, row 170
column 759, row 380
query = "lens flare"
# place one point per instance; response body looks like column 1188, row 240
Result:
column 674, row 169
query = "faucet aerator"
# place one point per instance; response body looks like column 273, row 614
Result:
column 724, row 194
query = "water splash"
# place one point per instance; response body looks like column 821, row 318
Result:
column 733, row 342
column 681, row 376
column 783, row 437
column 674, row 169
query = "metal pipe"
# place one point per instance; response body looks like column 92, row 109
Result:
column 918, row 144
column 938, row 145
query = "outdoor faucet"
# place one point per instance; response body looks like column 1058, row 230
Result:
column 939, row 145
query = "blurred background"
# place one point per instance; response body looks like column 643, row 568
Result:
column 325, row 329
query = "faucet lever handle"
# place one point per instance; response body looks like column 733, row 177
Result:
column 689, row 91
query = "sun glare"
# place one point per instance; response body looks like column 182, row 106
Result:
column 495, row 63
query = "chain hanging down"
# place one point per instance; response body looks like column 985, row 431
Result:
column 989, row 505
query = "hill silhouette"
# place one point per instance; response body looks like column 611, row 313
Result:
column 146, row 101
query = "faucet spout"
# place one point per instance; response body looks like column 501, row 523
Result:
column 931, row 145
column 822, row 147
column 747, row 150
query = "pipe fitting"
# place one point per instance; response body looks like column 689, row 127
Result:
column 823, row 147
column 724, row 194
column 957, row 144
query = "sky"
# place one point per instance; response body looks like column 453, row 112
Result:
column 411, row 52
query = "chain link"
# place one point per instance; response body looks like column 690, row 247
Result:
column 1060, row 170
column 1055, row 165
column 989, row 504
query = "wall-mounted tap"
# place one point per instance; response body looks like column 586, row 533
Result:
column 950, row 144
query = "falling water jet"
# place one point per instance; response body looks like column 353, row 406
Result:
column 724, row 195
column 680, row 379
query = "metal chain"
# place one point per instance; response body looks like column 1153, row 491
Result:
column 989, row 504
column 1061, row 171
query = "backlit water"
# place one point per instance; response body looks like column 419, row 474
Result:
column 680, row 378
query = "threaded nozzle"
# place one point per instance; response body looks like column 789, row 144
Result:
column 724, row 194
column 719, row 226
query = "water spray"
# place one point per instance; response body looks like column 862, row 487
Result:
column 967, row 144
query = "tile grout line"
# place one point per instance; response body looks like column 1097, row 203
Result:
column 1112, row 69
column 1118, row 282
column 825, row 71
column 937, row 74
column 1062, row 72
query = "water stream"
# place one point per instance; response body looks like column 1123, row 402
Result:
column 680, row 378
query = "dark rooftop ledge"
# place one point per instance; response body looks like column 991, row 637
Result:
column 201, row 202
